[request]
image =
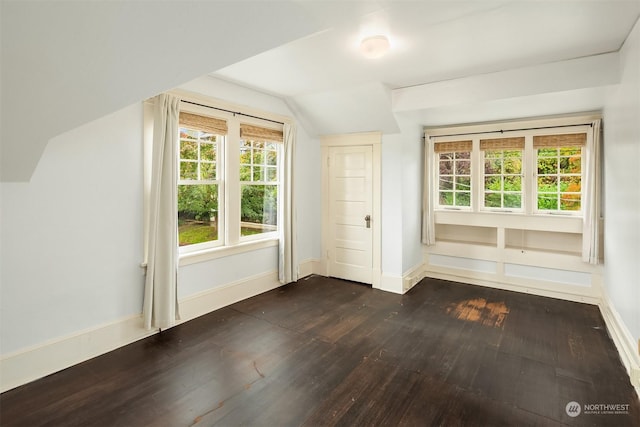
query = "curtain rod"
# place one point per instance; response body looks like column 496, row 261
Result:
column 512, row 130
column 232, row 112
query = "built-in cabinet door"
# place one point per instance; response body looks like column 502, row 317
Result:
column 350, row 240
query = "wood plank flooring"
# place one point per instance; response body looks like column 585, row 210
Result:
column 325, row 352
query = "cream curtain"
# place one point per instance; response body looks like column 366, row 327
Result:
column 592, row 197
column 288, row 264
column 160, row 309
column 429, row 176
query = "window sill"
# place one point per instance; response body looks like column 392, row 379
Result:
column 225, row 251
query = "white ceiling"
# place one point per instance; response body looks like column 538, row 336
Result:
column 325, row 77
column 66, row 63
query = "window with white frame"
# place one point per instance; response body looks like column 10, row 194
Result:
column 559, row 171
column 454, row 173
column 228, row 180
column 502, row 173
column 522, row 171
column 259, row 179
column 200, row 183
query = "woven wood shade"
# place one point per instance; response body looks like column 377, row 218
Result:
column 452, row 146
column 206, row 124
column 260, row 133
column 565, row 140
column 502, row 144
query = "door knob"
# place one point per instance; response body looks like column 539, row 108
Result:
column 368, row 220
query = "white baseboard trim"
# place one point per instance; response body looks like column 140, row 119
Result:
column 400, row 285
column 310, row 266
column 529, row 286
column 389, row 283
column 623, row 340
column 44, row 359
column 38, row 361
column 213, row 299
column 413, row 276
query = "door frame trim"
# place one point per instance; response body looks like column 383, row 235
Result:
column 374, row 140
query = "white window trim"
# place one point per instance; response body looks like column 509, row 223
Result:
column 220, row 175
column 529, row 167
column 203, row 253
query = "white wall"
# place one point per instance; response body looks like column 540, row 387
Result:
column 72, row 236
column 401, row 199
column 412, row 149
column 622, row 181
column 391, row 197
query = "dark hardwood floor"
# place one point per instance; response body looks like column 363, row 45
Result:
column 328, row 352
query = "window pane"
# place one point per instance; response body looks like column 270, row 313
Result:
column 189, row 170
column 446, row 182
column 492, row 183
column 207, row 152
column 189, row 150
column 547, row 184
column 492, row 166
column 272, row 174
column 259, row 209
column 245, row 156
column 446, row 198
column 258, row 173
column 570, row 184
column 512, row 183
column 512, row 165
column 463, row 198
column 446, row 167
column 197, row 214
column 463, row 155
column 512, row 200
column 547, row 201
column 547, row 165
column 208, row 171
column 463, row 167
column 463, row 183
column 258, row 157
column 569, row 202
column 272, row 158
column 245, row 173
column 492, row 200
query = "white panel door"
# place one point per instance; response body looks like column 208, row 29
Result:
column 350, row 213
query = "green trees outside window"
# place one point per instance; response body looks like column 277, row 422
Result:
column 559, row 176
column 454, row 182
column 503, row 179
column 259, row 187
column 198, row 187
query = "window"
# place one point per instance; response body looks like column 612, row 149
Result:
column 228, row 180
column 259, row 187
column 200, row 188
column 454, row 173
column 502, row 173
column 530, row 171
column 559, row 171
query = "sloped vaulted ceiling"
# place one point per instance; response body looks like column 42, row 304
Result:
column 65, row 63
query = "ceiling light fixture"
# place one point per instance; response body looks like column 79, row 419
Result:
column 375, row 46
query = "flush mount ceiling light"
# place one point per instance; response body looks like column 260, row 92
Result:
column 375, row 46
